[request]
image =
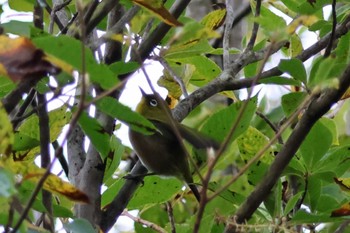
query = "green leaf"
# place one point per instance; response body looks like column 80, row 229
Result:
column 315, row 145
column 123, row 68
column 79, row 225
column 7, row 183
column 19, row 28
column 291, row 102
column 69, row 50
column 220, row 123
column 155, row 190
column 28, row 132
column 113, row 161
column 295, row 68
column 280, row 80
column 302, row 217
column 291, row 203
column 249, row 144
column 194, row 48
column 305, row 7
column 296, row 46
column 272, row 25
column 115, row 109
column 336, row 160
column 327, row 204
column 314, row 185
column 61, row 211
column 6, row 86
column 22, row 5
column 330, row 124
column 23, row 142
column 205, row 69
column 273, row 202
column 96, row 133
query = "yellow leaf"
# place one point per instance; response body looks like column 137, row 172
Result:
column 344, row 183
column 6, row 132
column 53, row 183
column 305, row 20
column 214, row 19
column 157, row 8
column 59, row 63
column 251, row 142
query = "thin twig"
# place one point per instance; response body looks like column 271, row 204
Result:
column 255, row 27
column 116, row 28
column 270, row 123
column 179, row 80
column 45, row 156
column 169, row 209
column 149, row 224
column 89, row 12
column 56, row 8
column 18, row 117
column 334, row 26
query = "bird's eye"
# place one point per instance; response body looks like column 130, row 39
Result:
column 153, row 102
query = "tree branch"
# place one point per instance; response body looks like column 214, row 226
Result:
column 226, row 80
column 317, row 108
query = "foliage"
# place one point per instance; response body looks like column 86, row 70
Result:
column 280, row 168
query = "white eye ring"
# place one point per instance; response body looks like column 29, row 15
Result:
column 153, row 102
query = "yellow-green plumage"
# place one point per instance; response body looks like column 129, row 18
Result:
column 162, row 152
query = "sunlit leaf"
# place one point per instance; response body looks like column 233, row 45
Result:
column 157, row 8
column 28, row 132
column 214, row 19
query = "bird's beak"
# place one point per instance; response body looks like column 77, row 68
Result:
column 143, row 92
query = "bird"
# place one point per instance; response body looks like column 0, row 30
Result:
column 162, row 153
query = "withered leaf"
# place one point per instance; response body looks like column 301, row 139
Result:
column 20, row 60
column 344, row 210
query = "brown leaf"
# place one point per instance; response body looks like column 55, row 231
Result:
column 20, row 60
column 344, row 210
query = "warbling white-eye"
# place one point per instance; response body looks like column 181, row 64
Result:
column 161, row 153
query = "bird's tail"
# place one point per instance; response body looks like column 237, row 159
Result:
column 195, row 192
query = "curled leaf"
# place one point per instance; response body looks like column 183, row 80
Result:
column 344, row 210
column 157, row 8
column 20, row 60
